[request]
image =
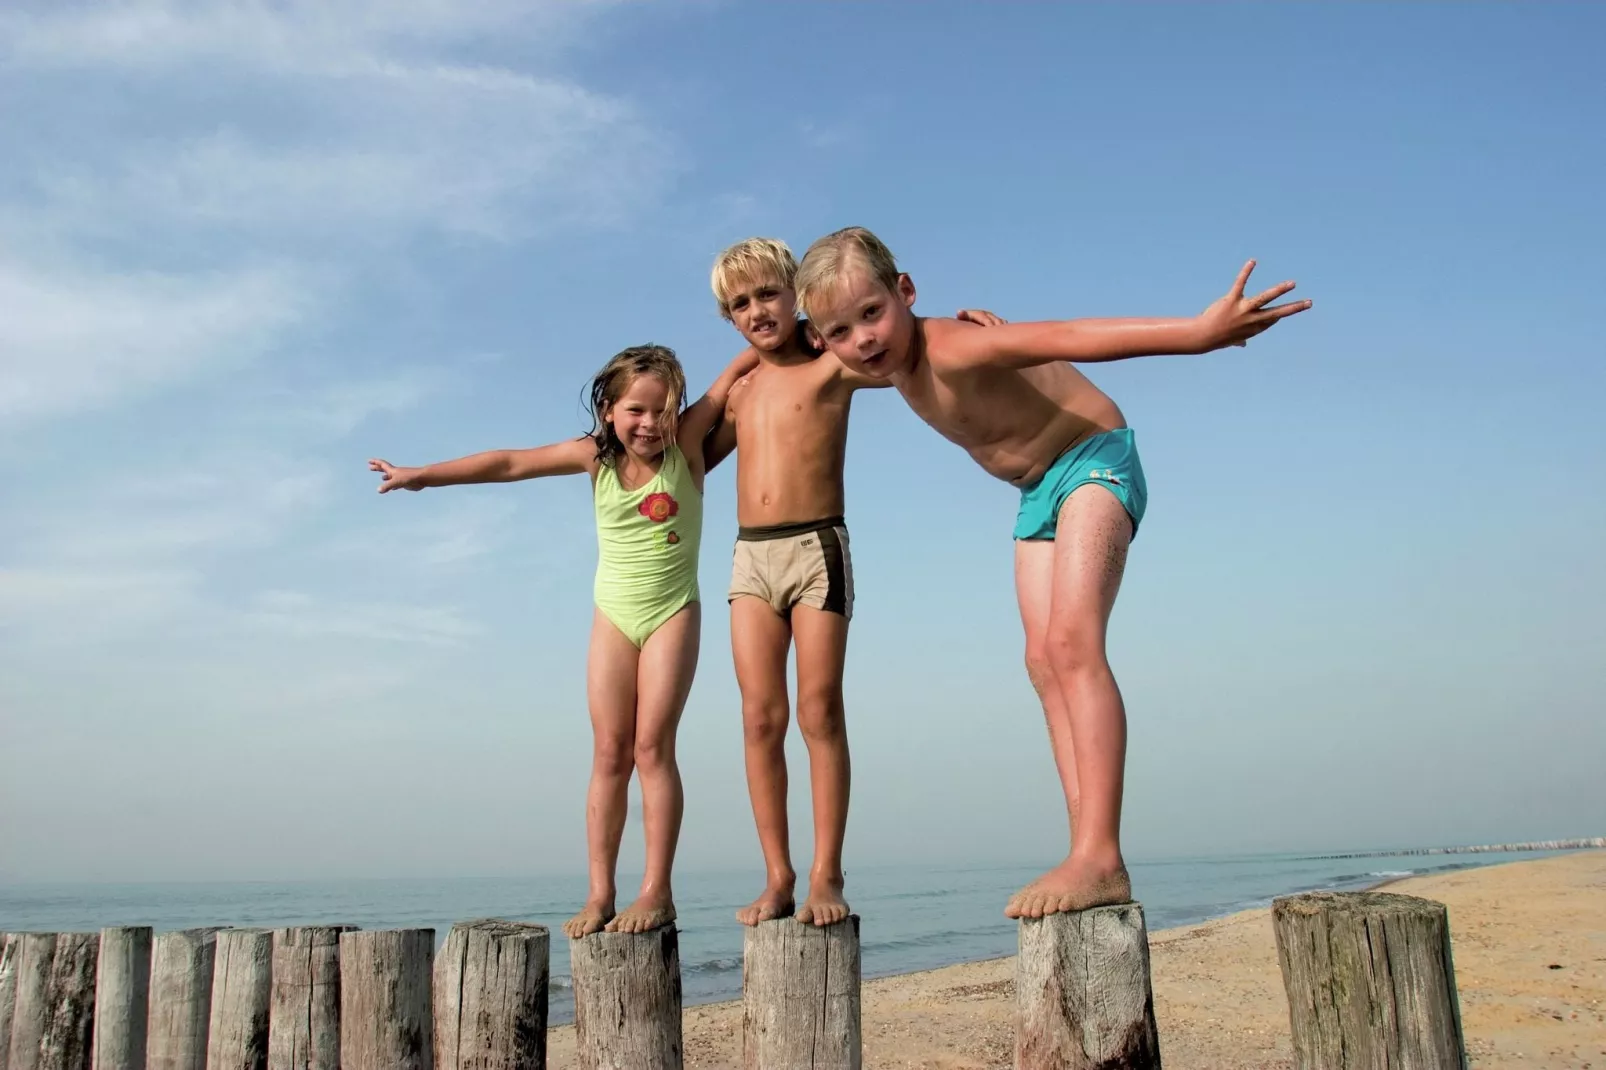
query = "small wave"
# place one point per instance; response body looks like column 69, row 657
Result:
column 719, row 965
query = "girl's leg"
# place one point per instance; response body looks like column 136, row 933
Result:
column 1090, row 548
column 611, row 667
column 663, row 681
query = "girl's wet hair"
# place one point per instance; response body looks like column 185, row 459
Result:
column 615, row 378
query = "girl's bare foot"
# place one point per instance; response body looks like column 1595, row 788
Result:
column 824, row 904
column 651, row 910
column 775, row 902
column 1074, row 884
column 591, row 919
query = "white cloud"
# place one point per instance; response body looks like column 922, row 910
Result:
column 76, row 339
column 306, row 616
column 358, row 117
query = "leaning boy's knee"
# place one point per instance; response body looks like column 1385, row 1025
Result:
column 1075, row 647
column 1039, row 667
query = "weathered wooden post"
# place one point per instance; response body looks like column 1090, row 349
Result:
column 35, row 954
column 1082, row 994
column 10, row 948
column 242, row 984
column 385, row 1000
column 304, row 1012
column 491, row 997
column 640, row 974
column 182, row 964
column 122, row 998
column 53, row 1015
column 800, row 995
column 1369, row 980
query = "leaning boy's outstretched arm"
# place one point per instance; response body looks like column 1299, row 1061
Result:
column 700, row 417
column 494, row 466
column 1231, row 320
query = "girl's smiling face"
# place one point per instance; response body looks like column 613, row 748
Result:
column 642, row 417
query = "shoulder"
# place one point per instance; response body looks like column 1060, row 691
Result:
column 945, row 342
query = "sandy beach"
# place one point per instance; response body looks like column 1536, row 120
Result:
column 1529, row 940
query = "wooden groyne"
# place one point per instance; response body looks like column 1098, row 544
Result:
column 1585, row 844
column 1369, row 978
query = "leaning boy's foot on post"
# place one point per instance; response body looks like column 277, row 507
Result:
column 824, row 904
column 591, row 919
column 648, row 912
column 1071, row 885
column 776, row 902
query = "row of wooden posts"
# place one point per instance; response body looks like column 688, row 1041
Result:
column 1368, row 975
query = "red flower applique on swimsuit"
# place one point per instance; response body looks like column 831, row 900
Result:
column 659, row 507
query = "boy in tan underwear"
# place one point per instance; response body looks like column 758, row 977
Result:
column 1012, row 398
column 792, row 573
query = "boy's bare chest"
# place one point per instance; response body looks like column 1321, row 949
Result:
column 970, row 410
column 785, row 403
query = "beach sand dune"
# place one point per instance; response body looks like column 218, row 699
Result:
column 1529, row 941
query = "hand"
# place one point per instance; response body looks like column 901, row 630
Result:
column 396, row 478
column 1234, row 318
column 980, row 316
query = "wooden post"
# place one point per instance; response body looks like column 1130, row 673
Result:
column 304, row 1012
column 36, row 953
column 242, row 984
column 122, row 998
column 639, row 972
column 1369, row 981
column 800, row 995
column 53, row 1017
column 182, row 964
column 491, row 997
column 10, row 948
column 1082, row 994
column 385, row 1000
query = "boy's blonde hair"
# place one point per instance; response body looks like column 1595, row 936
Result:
column 829, row 258
column 753, row 260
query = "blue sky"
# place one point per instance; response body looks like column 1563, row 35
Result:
column 243, row 248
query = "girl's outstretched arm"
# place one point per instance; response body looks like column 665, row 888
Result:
column 700, row 417
column 494, row 466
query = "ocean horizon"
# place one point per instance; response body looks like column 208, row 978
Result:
column 912, row 917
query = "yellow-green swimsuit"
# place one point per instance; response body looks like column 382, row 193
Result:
column 647, row 543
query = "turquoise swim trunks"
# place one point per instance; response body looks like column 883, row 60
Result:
column 1109, row 459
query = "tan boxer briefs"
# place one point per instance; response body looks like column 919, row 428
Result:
column 791, row 564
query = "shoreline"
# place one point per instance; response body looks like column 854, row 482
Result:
column 1529, row 940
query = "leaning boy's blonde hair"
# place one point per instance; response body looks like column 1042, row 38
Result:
column 753, row 260
column 830, row 257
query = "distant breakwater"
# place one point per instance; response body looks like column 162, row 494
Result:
column 1488, row 848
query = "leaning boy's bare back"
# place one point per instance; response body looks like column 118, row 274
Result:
column 791, row 422
column 1014, row 422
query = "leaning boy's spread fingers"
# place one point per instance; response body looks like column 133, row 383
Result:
column 1274, row 293
column 1243, row 278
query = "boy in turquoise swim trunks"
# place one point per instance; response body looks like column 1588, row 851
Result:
column 1011, row 396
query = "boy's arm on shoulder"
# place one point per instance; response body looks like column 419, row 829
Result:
column 700, row 418
column 721, row 441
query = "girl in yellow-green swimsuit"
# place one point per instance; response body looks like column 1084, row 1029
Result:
column 645, row 459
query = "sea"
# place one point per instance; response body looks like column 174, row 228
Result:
column 911, row 917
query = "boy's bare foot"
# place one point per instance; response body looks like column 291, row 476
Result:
column 648, row 912
column 824, row 904
column 1071, row 885
column 592, row 917
column 775, row 902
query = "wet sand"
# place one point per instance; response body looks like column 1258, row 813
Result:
column 1529, row 941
